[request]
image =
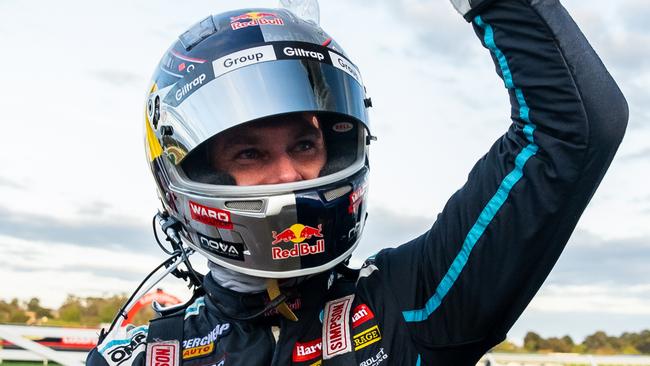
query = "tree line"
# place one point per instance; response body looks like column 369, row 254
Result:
column 95, row 311
column 75, row 311
column 598, row 343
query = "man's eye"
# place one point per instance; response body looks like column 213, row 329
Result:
column 304, row 146
column 248, row 154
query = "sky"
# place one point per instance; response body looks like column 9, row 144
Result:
column 76, row 197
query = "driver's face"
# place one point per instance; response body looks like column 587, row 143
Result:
column 272, row 152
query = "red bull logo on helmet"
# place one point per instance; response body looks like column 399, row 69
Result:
column 254, row 18
column 297, row 234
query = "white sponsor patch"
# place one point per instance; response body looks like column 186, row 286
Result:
column 121, row 346
column 243, row 58
column 336, row 327
column 345, row 65
column 163, row 353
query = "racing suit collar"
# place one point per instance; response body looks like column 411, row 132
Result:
column 304, row 296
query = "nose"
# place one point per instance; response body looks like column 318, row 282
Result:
column 283, row 169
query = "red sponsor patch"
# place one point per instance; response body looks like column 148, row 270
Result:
column 361, row 314
column 356, row 197
column 303, row 352
column 162, row 353
column 210, row 216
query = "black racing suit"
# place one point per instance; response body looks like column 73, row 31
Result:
column 448, row 296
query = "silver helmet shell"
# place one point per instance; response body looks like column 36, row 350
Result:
column 251, row 65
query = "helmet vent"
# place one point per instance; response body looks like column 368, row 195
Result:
column 251, row 206
column 337, row 192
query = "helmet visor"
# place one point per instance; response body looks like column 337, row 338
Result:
column 281, row 149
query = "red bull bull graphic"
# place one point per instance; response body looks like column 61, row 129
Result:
column 297, row 234
column 254, row 19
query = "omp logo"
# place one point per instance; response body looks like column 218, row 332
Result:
column 185, row 89
column 121, row 353
column 366, row 338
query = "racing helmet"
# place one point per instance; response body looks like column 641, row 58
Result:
column 254, row 69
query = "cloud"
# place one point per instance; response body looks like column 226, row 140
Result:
column 9, row 183
column 642, row 154
column 589, row 259
column 116, row 77
column 109, row 232
column 388, row 229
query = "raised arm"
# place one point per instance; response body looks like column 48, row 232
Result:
column 463, row 284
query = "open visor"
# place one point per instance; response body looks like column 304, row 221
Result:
column 255, row 83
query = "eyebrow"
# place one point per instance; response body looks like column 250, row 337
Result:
column 255, row 138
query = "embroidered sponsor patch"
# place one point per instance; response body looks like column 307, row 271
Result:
column 118, row 347
column 307, row 351
column 366, row 338
column 198, row 351
column 220, row 330
column 336, row 327
column 163, row 353
column 375, row 360
column 361, row 314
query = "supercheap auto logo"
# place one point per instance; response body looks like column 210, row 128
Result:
column 254, row 18
column 297, row 234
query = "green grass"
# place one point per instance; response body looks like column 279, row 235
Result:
column 25, row 363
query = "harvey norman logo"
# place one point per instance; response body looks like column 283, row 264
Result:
column 243, row 58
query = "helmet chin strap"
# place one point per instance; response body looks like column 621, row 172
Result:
column 273, row 290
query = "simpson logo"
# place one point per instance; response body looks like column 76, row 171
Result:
column 243, row 58
column 341, row 63
column 210, row 216
column 336, row 327
column 361, row 314
column 253, row 19
column 223, row 249
column 162, row 353
column 375, row 360
column 303, row 352
column 125, row 348
column 198, row 351
column 366, row 338
column 220, row 330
